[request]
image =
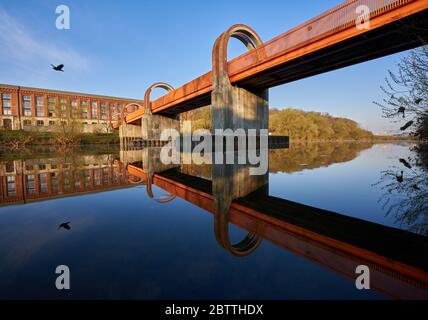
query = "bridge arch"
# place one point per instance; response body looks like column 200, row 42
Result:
column 122, row 114
column 222, row 207
column 125, row 109
column 243, row 33
column 136, row 180
column 162, row 85
column 221, row 229
column 233, row 107
column 165, row 198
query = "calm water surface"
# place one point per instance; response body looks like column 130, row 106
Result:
column 125, row 244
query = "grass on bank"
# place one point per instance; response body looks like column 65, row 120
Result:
column 19, row 138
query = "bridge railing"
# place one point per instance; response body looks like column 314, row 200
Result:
column 332, row 21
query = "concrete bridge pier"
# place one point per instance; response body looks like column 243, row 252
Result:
column 234, row 107
column 152, row 125
column 129, row 136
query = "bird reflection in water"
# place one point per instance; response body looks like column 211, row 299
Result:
column 65, row 225
column 405, row 194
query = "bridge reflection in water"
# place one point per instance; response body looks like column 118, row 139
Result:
column 397, row 258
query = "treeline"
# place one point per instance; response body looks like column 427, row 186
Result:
column 201, row 118
column 298, row 124
column 301, row 125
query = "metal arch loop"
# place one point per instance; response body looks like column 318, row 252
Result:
column 161, row 199
column 246, row 246
column 139, row 181
column 125, row 112
column 165, row 198
column 243, row 33
column 221, row 229
column 162, row 85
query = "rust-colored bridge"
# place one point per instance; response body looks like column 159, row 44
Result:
column 332, row 40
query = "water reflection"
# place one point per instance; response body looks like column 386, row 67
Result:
column 235, row 196
column 58, row 176
column 332, row 240
column 302, row 156
column 230, row 182
column 405, row 190
column 296, row 157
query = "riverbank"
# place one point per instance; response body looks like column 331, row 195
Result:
column 16, row 139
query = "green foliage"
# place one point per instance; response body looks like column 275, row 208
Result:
column 301, row 125
column 99, row 138
column 297, row 124
column 201, row 118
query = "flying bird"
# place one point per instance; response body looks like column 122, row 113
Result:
column 401, row 110
column 408, row 124
column 400, row 178
column 65, row 225
column 58, row 67
column 405, row 163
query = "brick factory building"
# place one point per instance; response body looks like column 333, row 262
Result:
column 42, row 109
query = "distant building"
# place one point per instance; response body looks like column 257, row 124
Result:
column 41, row 109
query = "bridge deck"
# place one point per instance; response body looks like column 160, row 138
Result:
column 327, row 42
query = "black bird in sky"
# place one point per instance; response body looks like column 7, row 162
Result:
column 65, row 225
column 405, row 163
column 58, row 67
column 408, row 124
column 402, row 110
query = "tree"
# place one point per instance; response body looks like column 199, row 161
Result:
column 406, row 91
column 68, row 128
column 406, row 103
column 297, row 124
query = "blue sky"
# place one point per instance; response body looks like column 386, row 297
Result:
column 119, row 48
